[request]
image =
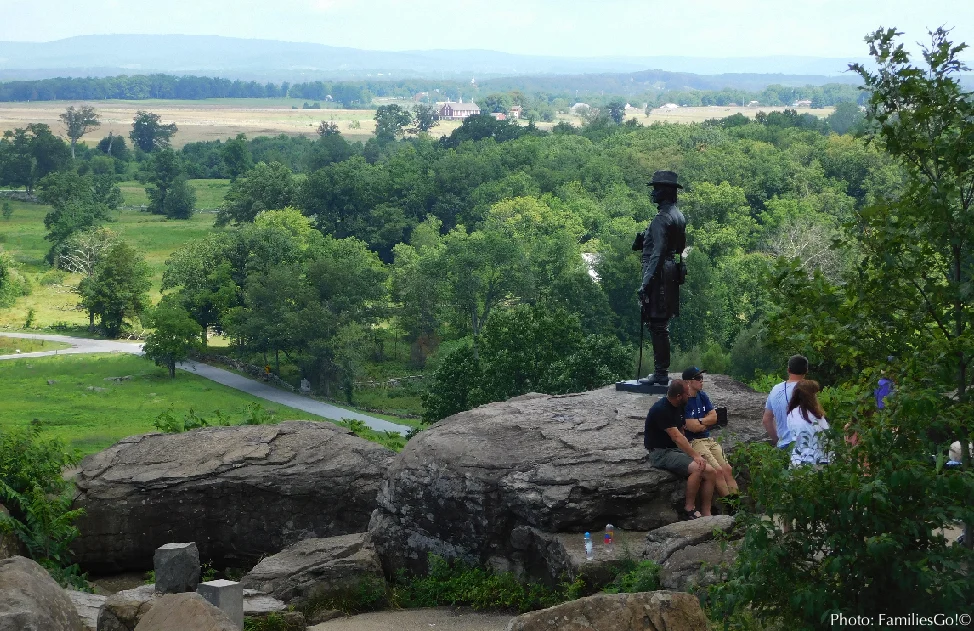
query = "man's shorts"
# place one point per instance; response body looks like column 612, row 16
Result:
column 710, row 450
column 672, row 460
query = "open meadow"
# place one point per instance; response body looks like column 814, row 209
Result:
column 219, row 119
column 89, row 410
column 155, row 237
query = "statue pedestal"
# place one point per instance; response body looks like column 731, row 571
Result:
column 634, row 385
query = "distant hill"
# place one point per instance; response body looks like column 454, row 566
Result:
column 269, row 60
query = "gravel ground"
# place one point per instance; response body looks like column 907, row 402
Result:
column 436, row 619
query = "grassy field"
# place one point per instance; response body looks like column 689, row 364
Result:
column 153, row 235
column 91, row 413
column 209, row 193
column 11, row 345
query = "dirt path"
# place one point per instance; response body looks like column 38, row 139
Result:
column 258, row 389
column 436, row 619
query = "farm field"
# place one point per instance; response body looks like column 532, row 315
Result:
column 93, row 419
column 219, row 119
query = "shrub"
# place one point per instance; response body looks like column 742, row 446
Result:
column 635, row 577
column 458, row 583
column 367, row 594
column 39, row 500
column 864, row 534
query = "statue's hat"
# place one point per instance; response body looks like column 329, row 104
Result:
column 665, row 178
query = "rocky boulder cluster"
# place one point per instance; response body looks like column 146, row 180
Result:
column 314, row 510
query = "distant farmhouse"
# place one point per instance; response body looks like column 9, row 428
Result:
column 451, row 111
column 802, row 103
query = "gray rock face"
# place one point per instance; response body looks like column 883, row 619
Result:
column 30, row 600
column 177, row 567
column 238, row 492
column 554, row 463
column 315, row 567
column 88, row 606
column 645, row 611
column 184, row 612
column 689, row 552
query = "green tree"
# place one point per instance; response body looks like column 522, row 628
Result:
column 236, row 156
column 82, row 252
column 78, row 122
column 77, row 204
column 265, row 187
column 425, row 116
column 149, row 133
column 118, row 289
column 847, row 118
column 481, row 270
column 169, row 194
column 174, row 337
column 617, row 111
column 391, row 121
column 31, row 153
column 202, row 276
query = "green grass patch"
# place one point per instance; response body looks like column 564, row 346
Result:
column 11, row 345
column 209, row 193
column 90, row 413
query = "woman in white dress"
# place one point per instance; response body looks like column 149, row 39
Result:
column 806, row 421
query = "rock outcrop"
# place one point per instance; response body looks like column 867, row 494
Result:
column 645, row 611
column 184, row 612
column 689, row 553
column 316, row 567
column 238, row 492
column 30, row 600
column 468, row 486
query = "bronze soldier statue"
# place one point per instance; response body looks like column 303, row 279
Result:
column 659, row 293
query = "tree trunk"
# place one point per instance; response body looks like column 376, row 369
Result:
column 277, row 361
column 91, row 321
column 204, row 337
column 73, row 140
column 172, row 368
column 476, row 329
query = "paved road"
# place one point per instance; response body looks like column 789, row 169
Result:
column 225, row 377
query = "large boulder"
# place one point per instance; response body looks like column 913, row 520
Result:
column 645, row 611
column 185, row 612
column 238, row 492
column 571, row 463
column 316, row 568
column 30, row 600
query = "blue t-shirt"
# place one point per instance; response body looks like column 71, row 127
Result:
column 778, row 404
column 883, row 390
column 698, row 407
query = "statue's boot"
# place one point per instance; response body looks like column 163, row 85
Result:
column 659, row 334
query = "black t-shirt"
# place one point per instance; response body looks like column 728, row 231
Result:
column 662, row 415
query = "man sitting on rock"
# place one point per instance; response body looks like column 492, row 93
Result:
column 700, row 417
column 669, row 449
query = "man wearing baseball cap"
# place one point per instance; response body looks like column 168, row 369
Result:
column 700, row 417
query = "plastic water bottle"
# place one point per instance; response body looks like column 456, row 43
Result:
column 610, row 536
column 589, row 555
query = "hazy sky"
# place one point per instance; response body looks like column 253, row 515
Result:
column 699, row 28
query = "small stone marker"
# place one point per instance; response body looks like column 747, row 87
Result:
column 177, row 567
column 305, row 386
column 227, row 596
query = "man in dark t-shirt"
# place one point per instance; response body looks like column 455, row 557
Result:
column 669, row 449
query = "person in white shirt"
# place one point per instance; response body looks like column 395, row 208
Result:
column 776, row 407
column 806, row 424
